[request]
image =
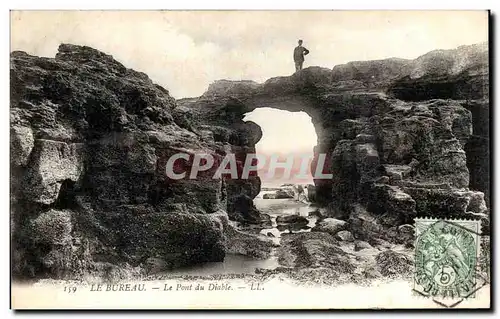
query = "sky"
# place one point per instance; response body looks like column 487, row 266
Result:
column 293, row 135
column 185, row 51
column 297, row 140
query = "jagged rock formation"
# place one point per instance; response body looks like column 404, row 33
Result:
column 403, row 138
column 90, row 140
column 89, row 143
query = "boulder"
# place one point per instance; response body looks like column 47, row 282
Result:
column 284, row 193
column 243, row 209
column 291, row 219
column 21, row 144
column 320, row 214
column 313, row 250
column 269, row 196
column 292, row 223
column 394, row 264
column 238, row 242
column 369, row 227
column 179, row 239
column 360, row 245
column 330, row 225
column 266, row 221
column 345, row 235
column 364, row 225
column 406, row 235
column 391, row 204
column 291, row 228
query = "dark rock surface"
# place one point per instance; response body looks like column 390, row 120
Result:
column 363, row 122
column 291, row 223
column 90, row 140
column 330, row 225
column 360, row 245
column 393, row 264
column 269, row 196
column 345, row 235
column 320, row 214
column 291, row 219
column 313, row 250
column 457, row 74
column 283, row 194
column 319, row 257
column 241, row 243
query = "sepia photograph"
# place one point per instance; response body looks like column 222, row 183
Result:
column 232, row 159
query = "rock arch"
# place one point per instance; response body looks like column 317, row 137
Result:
column 389, row 149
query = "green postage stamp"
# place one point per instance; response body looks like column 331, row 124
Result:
column 446, row 254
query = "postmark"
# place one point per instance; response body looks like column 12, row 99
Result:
column 446, row 255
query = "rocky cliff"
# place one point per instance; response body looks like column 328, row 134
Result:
column 90, row 139
column 402, row 138
column 89, row 143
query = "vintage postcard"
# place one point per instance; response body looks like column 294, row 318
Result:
column 250, row 160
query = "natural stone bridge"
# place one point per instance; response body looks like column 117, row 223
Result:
column 366, row 128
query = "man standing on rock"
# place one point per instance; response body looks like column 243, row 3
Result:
column 298, row 56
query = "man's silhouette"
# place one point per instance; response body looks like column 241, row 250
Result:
column 298, row 56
